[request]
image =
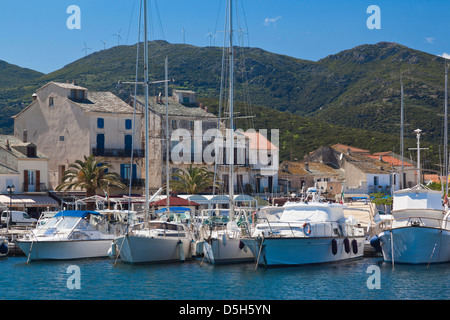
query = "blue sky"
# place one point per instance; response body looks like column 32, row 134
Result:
column 34, row 34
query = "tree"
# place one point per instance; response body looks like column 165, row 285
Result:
column 192, row 180
column 90, row 175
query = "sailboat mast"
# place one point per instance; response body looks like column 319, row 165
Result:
column 402, row 182
column 167, row 133
column 147, row 205
column 231, row 179
column 445, row 135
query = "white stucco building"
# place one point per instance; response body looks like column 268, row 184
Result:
column 69, row 122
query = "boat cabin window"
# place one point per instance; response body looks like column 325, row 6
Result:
column 68, row 222
column 162, row 225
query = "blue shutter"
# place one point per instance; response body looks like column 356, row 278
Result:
column 128, row 142
column 122, row 171
column 100, row 123
column 100, row 143
column 134, row 172
column 128, row 124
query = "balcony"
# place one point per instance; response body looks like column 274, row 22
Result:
column 124, row 153
column 136, row 183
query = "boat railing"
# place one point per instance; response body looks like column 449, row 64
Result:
column 317, row 229
column 414, row 221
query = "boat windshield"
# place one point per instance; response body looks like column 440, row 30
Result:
column 68, row 222
column 49, row 225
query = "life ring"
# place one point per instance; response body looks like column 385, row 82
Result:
column 307, row 228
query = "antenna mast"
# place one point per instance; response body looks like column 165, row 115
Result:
column 231, row 178
column 402, row 182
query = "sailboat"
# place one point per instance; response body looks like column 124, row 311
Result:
column 153, row 241
column 222, row 243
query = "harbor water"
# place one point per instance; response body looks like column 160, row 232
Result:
column 99, row 279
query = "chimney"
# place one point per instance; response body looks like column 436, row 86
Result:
column 34, row 97
column 380, row 158
column 306, row 166
column 8, row 147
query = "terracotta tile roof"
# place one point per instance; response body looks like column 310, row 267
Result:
column 345, row 148
column 389, row 159
column 432, row 177
column 174, row 201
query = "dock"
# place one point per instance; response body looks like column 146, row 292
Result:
column 12, row 234
column 364, row 213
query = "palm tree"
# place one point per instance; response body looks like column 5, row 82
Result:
column 192, row 180
column 90, row 175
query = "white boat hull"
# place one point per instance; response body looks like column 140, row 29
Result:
column 218, row 251
column 285, row 251
column 416, row 245
column 141, row 249
column 65, row 250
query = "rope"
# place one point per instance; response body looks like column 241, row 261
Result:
column 260, row 248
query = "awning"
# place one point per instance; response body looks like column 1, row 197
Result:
column 76, row 213
column 173, row 209
column 28, row 200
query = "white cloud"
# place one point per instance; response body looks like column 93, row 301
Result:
column 445, row 55
column 268, row 20
column 429, row 39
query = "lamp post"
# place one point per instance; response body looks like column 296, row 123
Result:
column 10, row 190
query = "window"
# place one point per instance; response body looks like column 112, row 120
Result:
column 128, row 143
column 125, row 171
column 61, row 170
column 100, row 143
column 50, row 101
column 174, row 124
column 191, row 125
column 61, row 138
column 30, row 177
column 128, row 124
column 100, row 123
column 31, row 152
column 375, row 180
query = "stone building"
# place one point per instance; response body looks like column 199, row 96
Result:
column 69, row 122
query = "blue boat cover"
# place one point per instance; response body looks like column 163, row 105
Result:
column 173, row 209
column 75, row 213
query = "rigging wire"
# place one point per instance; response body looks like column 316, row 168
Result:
column 222, row 76
column 134, row 115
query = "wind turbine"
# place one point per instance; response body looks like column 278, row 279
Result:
column 118, row 36
column 210, row 36
column 104, row 44
column 183, row 31
column 85, row 49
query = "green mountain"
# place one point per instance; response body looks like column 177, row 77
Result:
column 317, row 103
column 12, row 75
